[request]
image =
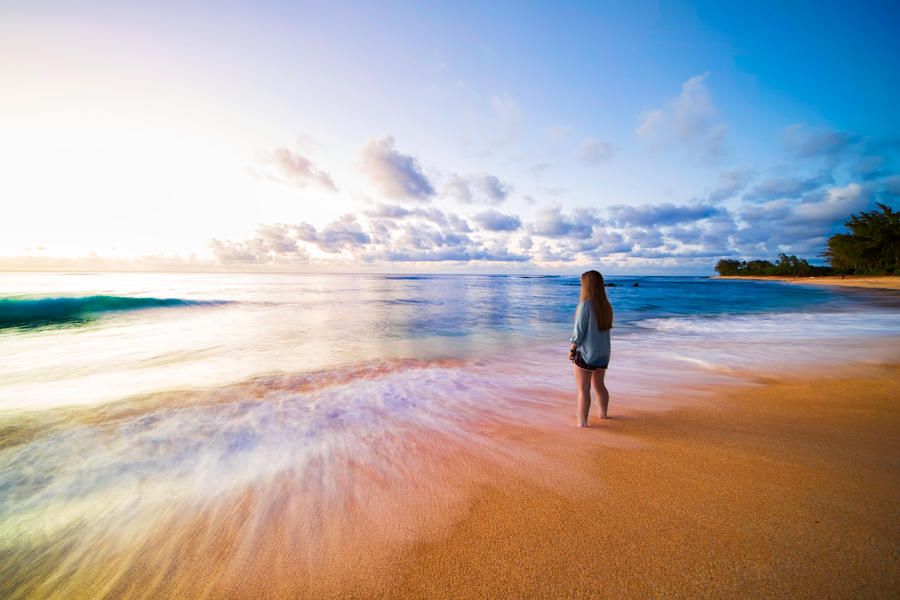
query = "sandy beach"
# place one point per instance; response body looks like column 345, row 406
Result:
column 884, row 282
column 779, row 489
column 785, row 490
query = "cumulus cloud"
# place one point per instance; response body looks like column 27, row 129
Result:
column 707, row 237
column 686, row 119
column 595, row 152
column 345, row 233
column 477, row 187
column 423, row 237
column 602, row 243
column 649, row 215
column 551, row 222
column 277, row 238
column 288, row 167
column 836, row 206
column 423, row 243
column 491, row 187
column 525, row 242
column 388, row 211
column 438, row 217
column 492, row 220
column 547, row 253
column 271, row 244
column 395, row 175
column 799, row 226
column 453, row 254
column 645, row 238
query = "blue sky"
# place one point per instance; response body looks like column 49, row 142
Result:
column 647, row 138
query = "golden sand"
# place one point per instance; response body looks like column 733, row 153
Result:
column 778, row 490
column 885, row 282
column 787, row 490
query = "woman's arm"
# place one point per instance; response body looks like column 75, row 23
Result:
column 581, row 324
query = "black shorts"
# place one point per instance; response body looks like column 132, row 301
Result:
column 579, row 362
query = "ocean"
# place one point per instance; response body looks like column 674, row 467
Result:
column 130, row 401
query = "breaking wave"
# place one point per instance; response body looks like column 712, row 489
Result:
column 37, row 312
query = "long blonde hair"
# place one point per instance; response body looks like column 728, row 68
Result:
column 592, row 289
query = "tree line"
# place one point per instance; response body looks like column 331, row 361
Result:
column 871, row 247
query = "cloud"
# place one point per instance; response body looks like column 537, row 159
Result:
column 890, row 188
column 595, row 152
column 652, row 127
column 272, row 244
column 551, row 222
column 803, row 142
column 434, row 215
column 602, row 243
column 458, row 187
column 685, row 119
column 493, row 220
column 651, row 215
column 476, row 187
column 870, row 167
column 787, row 187
column 388, row 211
column 730, row 184
column 547, row 253
column 395, row 175
column 799, row 227
column 692, row 109
column 491, row 187
column 645, row 238
column 423, row 243
column 710, row 236
column 277, row 238
column 453, row 254
column 248, row 251
column 345, row 233
column 836, row 206
column 288, row 167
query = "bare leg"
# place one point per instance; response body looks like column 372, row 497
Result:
column 583, row 381
column 602, row 392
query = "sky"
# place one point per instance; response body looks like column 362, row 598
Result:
column 502, row 137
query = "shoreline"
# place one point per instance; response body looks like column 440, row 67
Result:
column 883, row 282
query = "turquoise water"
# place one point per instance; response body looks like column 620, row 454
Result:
column 27, row 313
column 130, row 403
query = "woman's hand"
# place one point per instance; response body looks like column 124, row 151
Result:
column 572, row 353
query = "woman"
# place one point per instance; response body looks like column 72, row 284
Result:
column 590, row 344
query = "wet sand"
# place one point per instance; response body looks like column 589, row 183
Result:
column 782, row 489
column 884, row 282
